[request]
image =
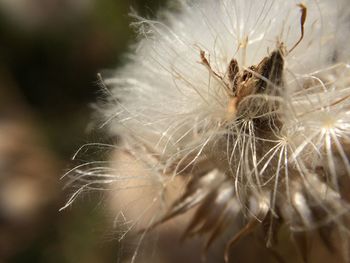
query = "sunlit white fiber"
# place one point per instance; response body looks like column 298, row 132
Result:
column 268, row 143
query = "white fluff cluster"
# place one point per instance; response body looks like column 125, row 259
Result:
column 266, row 139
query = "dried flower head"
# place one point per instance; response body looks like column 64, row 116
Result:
column 246, row 103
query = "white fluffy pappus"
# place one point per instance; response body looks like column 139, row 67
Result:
column 238, row 112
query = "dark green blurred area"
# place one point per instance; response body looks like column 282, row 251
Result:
column 55, row 64
column 50, row 53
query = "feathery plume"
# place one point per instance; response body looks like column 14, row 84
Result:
column 245, row 105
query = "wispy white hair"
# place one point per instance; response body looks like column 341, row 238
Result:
column 247, row 103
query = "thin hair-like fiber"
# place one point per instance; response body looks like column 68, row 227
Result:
column 232, row 122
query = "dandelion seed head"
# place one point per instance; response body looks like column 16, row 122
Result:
column 245, row 105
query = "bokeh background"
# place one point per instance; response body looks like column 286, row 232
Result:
column 50, row 54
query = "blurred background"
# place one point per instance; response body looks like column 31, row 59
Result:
column 50, row 53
